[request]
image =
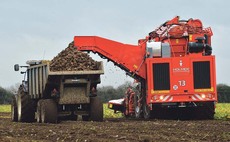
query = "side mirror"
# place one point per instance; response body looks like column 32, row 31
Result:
column 16, row 67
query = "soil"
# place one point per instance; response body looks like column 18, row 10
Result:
column 115, row 130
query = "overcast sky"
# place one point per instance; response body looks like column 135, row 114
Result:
column 41, row 29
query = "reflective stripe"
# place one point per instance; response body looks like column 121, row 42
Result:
column 193, row 98
column 198, row 96
column 166, row 98
column 171, row 98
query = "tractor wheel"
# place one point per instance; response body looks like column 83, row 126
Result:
column 137, row 106
column 49, row 112
column 14, row 109
column 26, row 111
column 38, row 116
column 96, row 109
column 146, row 111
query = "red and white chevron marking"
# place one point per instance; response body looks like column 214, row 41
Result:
column 196, row 97
column 167, row 98
column 190, row 97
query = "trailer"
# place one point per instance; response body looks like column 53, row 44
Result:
column 46, row 95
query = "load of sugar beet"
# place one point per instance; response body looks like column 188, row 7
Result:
column 71, row 59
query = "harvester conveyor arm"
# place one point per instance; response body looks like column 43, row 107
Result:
column 127, row 57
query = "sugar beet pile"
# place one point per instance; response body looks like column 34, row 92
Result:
column 71, row 59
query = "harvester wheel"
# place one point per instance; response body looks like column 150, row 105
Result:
column 14, row 109
column 209, row 110
column 49, row 112
column 96, row 109
column 212, row 111
column 137, row 106
column 38, row 116
column 26, row 111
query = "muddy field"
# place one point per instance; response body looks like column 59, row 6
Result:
column 115, row 130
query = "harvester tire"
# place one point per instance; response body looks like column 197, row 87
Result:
column 209, row 110
column 96, row 109
column 38, row 116
column 49, row 113
column 14, row 109
column 25, row 106
column 204, row 111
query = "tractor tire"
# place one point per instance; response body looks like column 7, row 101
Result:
column 96, row 109
column 25, row 106
column 14, row 109
column 38, row 116
column 49, row 113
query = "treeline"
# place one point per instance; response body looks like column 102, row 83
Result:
column 107, row 93
column 223, row 92
column 5, row 96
